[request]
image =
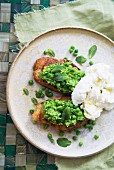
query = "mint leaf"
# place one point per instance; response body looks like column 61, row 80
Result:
column 59, row 77
column 34, row 101
column 51, row 53
column 81, row 59
column 66, row 114
column 26, row 92
column 92, row 51
column 63, row 142
column 57, row 68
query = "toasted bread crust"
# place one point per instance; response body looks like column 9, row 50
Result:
column 39, row 66
column 38, row 116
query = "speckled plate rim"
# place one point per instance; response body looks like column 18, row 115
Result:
column 10, row 73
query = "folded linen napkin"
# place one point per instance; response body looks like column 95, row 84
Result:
column 95, row 14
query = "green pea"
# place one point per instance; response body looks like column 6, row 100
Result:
column 79, row 113
column 42, row 95
column 34, row 101
column 91, row 63
column 71, row 50
column 73, row 117
column 75, row 107
column 30, row 82
column 76, row 51
column 94, row 123
column 45, row 126
column 52, row 140
column 48, row 93
column 80, row 117
column 75, row 54
column 38, row 94
column 72, row 47
column 49, row 135
column 61, row 133
column 43, row 87
column 90, row 128
column 34, row 121
column 77, row 110
column 31, row 111
column 96, row 136
column 65, row 58
column 80, row 144
column 86, row 126
column 78, row 132
column 75, row 138
column 90, row 121
column 26, row 92
column 45, row 52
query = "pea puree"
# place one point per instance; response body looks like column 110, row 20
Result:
column 65, row 77
column 62, row 112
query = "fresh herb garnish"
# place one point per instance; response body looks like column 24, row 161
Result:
column 26, row 92
column 63, row 142
column 49, row 52
column 92, row 51
column 57, row 68
column 59, row 77
column 81, row 59
column 34, row 101
column 66, row 114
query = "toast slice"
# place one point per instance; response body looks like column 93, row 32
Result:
column 38, row 116
column 39, row 66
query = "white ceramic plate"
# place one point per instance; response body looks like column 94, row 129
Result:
column 21, row 71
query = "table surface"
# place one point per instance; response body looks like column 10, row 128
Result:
column 15, row 151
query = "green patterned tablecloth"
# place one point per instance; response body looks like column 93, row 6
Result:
column 15, row 151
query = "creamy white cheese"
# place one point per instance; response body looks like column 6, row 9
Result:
column 95, row 91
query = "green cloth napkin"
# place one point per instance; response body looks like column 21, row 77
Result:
column 94, row 14
column 101, row 161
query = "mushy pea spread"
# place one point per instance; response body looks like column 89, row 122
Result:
column 64, row 76
column 62, row 112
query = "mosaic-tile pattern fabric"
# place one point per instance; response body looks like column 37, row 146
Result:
column 15, row 152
